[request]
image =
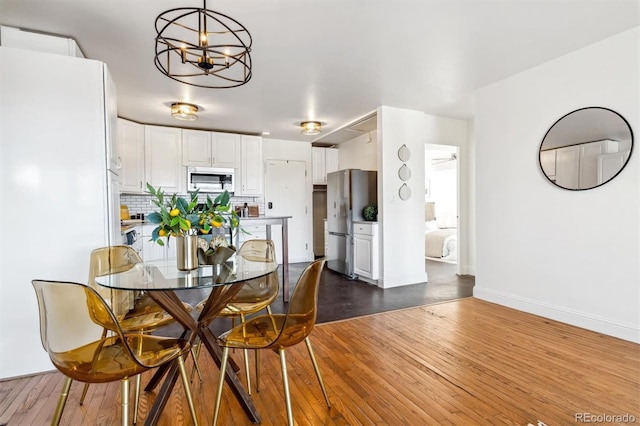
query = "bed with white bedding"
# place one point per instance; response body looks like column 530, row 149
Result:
column 441, row 244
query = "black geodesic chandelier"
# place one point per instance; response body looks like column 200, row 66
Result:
column 203, row 48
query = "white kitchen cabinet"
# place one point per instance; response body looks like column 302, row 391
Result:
column 576, row 166
column 324, row 160
column 163, row 158
column 365, row 250
column 330, row 160
column 589, row 155
column 548, row 163
column 131, row 149
column 567, row 166
column 152, row 250
column 251, row 166
column 254, row 232
column 29, row 40
column 212, row 149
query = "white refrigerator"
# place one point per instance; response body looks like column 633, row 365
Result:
column 59, row 190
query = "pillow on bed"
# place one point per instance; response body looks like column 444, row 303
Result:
column 430, row 225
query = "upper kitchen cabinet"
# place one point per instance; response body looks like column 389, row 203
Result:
column 131, row 151
column 210, row 149
column 251, row 166
column 28, row 40
column 325, row 160
column 163, row 158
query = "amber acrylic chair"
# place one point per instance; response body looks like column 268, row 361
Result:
column 255, row 295
column 72, row 318
column 279, row 331
column 135, row 314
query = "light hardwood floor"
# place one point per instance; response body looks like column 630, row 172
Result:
column 465, row 362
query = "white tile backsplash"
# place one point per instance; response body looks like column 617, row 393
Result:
column 141, row 203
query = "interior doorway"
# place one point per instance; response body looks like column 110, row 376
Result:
column 284, row 190
column 442, row 202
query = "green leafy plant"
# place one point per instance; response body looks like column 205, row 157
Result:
column 179, row 217
column 370, row 212
column 219, row 213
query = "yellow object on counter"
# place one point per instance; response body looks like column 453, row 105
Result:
column 124, row 212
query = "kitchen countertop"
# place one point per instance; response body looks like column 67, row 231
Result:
column 259, row 218
column 130, row 224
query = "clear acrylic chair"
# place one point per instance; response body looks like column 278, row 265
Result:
column 255, row 295
column 135, row 313
column 72, row 320
column 279, row 331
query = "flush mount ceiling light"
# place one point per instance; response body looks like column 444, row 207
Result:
column 202, row 48
column 310, row 127
column 184, row 111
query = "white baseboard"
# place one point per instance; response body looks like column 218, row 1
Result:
column 630, row 332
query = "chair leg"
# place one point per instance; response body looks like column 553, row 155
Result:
column 285, row 382
column 245, row 353
column 187, row 389
column 257, row 370
column 223, row 368
column 195, row 355
column 62, row 400
column 84, row 393
column 315, row 367
column 136, row 398
column 124, row 390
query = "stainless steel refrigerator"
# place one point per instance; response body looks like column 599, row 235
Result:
column 348, row 192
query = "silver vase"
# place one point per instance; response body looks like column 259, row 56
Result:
column 187, row 252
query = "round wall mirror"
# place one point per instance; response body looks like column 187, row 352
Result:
column 586, row 148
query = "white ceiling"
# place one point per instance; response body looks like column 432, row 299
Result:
column 330, row 60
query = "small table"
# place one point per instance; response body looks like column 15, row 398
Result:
column 160, row 279
column 268, row 221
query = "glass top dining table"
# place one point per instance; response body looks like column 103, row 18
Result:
column 164, row 275
column 160, row 280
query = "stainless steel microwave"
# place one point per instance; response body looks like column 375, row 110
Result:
column 210, row 179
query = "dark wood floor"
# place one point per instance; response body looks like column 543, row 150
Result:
column 341, row 298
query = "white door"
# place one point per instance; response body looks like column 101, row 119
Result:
column 285, row 195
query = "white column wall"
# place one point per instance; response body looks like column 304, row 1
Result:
column 572, row 256
column 402, row 230
column 360, row 152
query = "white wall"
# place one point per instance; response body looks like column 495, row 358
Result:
column 572, row 256
column 276, row 149
column 360, row 152
column 402, row 248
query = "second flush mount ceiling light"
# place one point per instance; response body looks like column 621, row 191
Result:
column 184, row 111
column 310, row 127
column 203, row 48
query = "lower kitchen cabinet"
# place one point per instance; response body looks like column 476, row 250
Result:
column 254, row 232
column 365, row 250
column 152, row 250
